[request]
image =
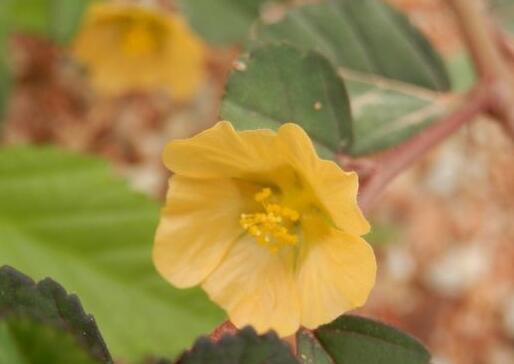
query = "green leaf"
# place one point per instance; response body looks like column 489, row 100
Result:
column 387, row 112
column 28, row 341
column 389, row 68
column 356, row 340
column 49, row 302
column 56, row 19
column 246, row 347
column 363, row 35
column 66, row 18
column 310, row 350
column 66, row 216
column 279, row 84
column 462, row 72
column 382, row 234
column 30, row 16
column 222, row 22
column 503, row 11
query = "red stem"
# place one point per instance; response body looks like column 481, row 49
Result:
column 393, row 162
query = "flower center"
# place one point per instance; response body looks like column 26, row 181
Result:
column 139, row 41
column 271, row 228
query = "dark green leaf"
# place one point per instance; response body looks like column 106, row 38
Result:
column 356, row 340
column 222, row 22
column 278, row 84
column 246, row 347
column 66, row 216
column 28, row 341
column 49, row 302
column 363, row 35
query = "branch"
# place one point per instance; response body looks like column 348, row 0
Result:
column 481, row 40
column 393, row 162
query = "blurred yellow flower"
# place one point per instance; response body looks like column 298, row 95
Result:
column 270, row 231
column 127, row 47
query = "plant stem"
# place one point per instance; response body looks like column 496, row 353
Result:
column 488, row 58
column 291, row 340
column 394, row 161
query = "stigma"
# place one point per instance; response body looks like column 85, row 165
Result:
column 271, row 227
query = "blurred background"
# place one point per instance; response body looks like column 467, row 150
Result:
column 443, row 231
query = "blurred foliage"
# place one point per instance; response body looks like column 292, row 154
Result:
column 222, row 22
column 66, row 216
column 461, row 71
column 503, row 10
column 55, row 19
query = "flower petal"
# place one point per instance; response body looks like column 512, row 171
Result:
column 198, row 225
column 335, row 188
column 256, row 287
column 336, row 274
column 184, row 61
column 222, row 152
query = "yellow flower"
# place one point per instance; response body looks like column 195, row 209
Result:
column 270, row 231
column 128, row 47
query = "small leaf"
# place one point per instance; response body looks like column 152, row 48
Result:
column 278, row 84
column 48, row 302
column 67, row 216
column 356, row 340
column 222, row 22
column 26, row 340
column 246, row 347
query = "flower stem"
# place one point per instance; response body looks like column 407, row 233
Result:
column 291, row 340
column 393, row 162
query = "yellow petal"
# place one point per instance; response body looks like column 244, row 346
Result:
column 334, row 188
column 336, row 274
column 256, row 287
column 184, row 62
column 222, row 152
column 172, row 59
column 198, row 225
